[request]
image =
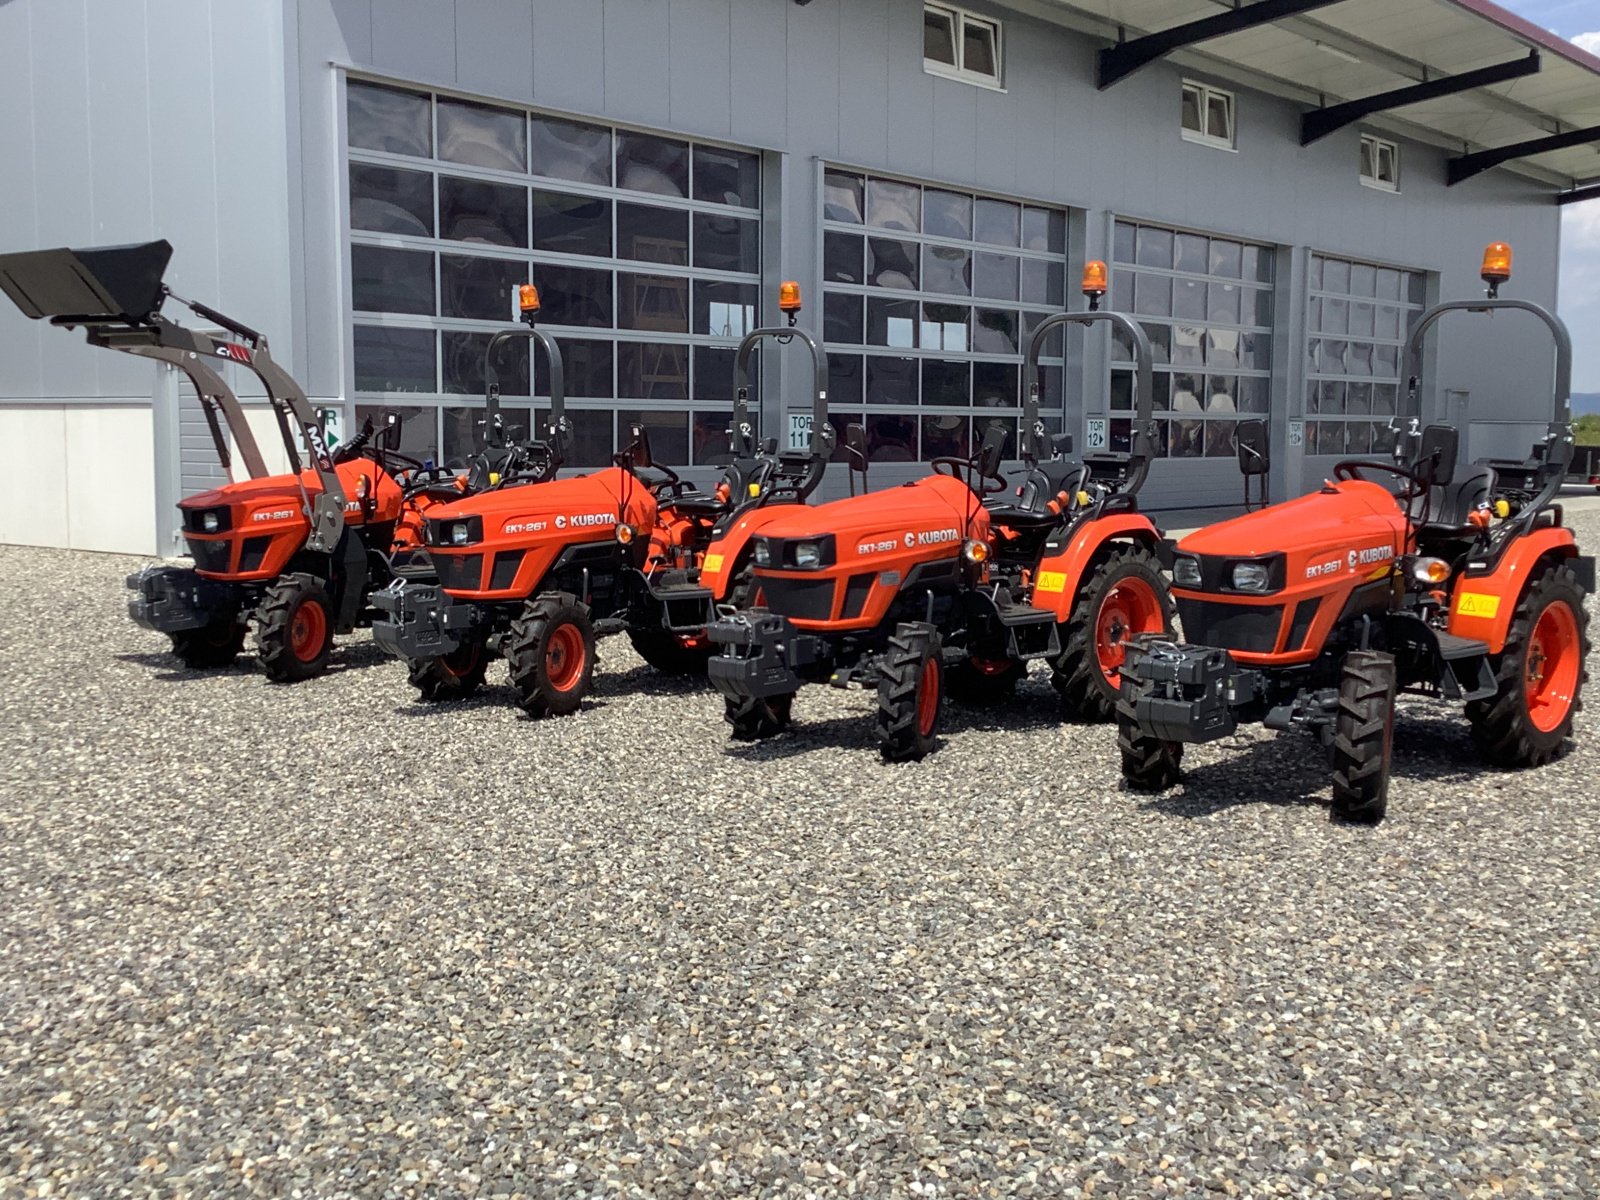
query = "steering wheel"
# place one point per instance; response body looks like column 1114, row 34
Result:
column 405, row 460
column 1351, row 468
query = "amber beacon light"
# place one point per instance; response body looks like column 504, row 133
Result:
column 1496, row 267
column 528, row 298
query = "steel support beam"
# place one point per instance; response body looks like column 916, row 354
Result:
column 1579, row 195
column 1119, row 61
column 1468, row 165
column 1319, row 123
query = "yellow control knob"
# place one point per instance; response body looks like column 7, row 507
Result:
column 1502, row 508
column 755, row 489
column 1083, row 499
column 494, row 477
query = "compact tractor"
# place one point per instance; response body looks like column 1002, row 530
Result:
column 299, row 553
column 1413, row 575
column 534, row 574
column 958, row 580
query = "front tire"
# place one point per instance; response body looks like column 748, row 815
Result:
column 450, row 676
column 1122, row 596
column 214, row 645
column 1148, row 764
column 1540, row 675
column 1363, row 739
column 751, row 719
column 294, row 629
column 910, row 694
column 550, row 651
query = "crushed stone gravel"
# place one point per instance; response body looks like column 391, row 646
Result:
column 323, row 940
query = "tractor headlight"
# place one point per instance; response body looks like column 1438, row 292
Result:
column 210, row 523
column 460, row 535
column 1186, row 572
column 763, row 553
column 807, row 554
column 1250, row 577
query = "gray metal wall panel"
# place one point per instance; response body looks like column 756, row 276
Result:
column 863, row 83
column 21, row 340
column 636, row 68
column 415, row 38
column 354, row 21
column 494, row 47
column 569, row 40
column 699, row 32
column 758, row 79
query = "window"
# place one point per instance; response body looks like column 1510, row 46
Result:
column 959, row 45
column 646, row 250
column 929, row 297
column 1358, row 316
column 1380, row 163
column 1206, row 304
column 1207, row 115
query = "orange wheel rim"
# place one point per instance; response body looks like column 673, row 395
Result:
column 989, row 666
column 461, row 662
column 1550, row 671
column 1131, row 607
column 563, row 657
column 928, row 697
column 308, row 631
column 693, row 641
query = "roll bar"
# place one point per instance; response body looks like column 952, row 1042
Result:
column 115, row 294
column 559, row 429
column 820, row 448
column 1558, row 436
column 1144, row 431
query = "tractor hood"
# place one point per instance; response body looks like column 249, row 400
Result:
column 936, row 511
column 561, row 506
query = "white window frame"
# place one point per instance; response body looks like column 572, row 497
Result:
column 1206, row 93
column 960, row 18
column 1378, row 145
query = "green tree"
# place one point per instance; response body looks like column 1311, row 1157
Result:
column 1586, row 430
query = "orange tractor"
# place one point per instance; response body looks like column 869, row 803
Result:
column 299, row 553
column 958, row 580
column 535, row 568
column 1414, row 575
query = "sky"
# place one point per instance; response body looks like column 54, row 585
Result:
column 1579, row 21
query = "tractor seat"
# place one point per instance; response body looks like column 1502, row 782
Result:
column 1028, row 505
column 698, row 504
column 1449, row 508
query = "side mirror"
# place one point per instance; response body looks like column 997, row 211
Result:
column 1061, row 443
column 1251, row 439
column 855, row 444
column 994, row 444
column 639, row 449
column 389, row 439
column 769, row 446
column 1436, row 459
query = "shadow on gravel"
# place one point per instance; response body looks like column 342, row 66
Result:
column 170, row 670
column 855, row 731
column 1290, row 769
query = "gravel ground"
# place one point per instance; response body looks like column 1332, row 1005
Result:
column 322, row 940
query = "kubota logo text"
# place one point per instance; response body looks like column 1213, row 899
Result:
column 1372, row 554
column 933, row 537
column 586, row 520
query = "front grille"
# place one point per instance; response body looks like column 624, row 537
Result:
column 253, row 552
column 802, row 599
column 1251, row 628
column 856, row 591
column 505, row 569
column 210, row 555
column 459, row 572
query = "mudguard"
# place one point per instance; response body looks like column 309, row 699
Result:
column 722, row 558
column 1484, row 601
column 1060, row 573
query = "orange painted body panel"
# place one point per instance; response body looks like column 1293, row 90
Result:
column 1057, row 579
column 541, row 520
column 274, row 507
column 1501, row 589
column 884, row 533
column 723, row 556
column 1333, row 541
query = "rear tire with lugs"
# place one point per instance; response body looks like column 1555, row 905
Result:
column 1363, row 738
column 1122, row 596
column 1540, row 675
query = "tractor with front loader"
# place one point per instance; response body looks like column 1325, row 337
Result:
column 957, row 581
column 1416, row 575
column 535, row 568
column 298, row 553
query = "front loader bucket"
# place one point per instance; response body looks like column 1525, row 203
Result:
column 109, row 283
